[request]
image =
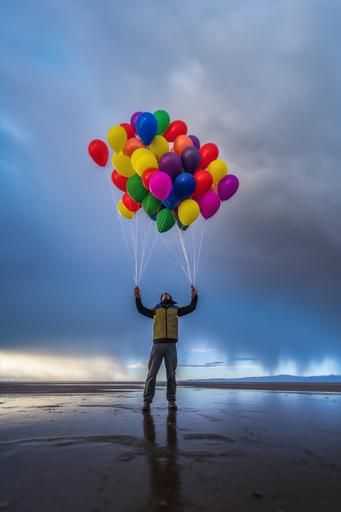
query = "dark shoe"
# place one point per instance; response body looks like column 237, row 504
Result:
column 146, row 407
column 172, row 405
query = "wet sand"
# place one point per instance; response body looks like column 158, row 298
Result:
column 88, row 447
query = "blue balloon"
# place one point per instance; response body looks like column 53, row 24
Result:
column 146, row 126
column 171, row 201
column 184, row 185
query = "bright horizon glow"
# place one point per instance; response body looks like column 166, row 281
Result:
column 30, row 366
column 17, row 366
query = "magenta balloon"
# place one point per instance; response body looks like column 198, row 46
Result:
column 171, row 164
column 228, row 186
column 160, row 185
column 195, row 140
column 209, row 204
column 133, row 119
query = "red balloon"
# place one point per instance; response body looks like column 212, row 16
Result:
column 129, row 203
column 98, row 151
column 119, row 180
column 129, row 130
column 203, row 180
column 175, row 129
column 147, row 175
column 208, row 153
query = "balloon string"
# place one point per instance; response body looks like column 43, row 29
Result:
column 136, row 248
column 153, row 243
column 199, row 253
column 177, row 257
column 145, row 245
column 149, row 255
column 120, row 221
column 189, row 249
column 191, row 252
column 134, row 240
column 195, row 255
column 133, row 248
column 181, row 255
column 115, row 200
column 123, row 230
column 180, row 233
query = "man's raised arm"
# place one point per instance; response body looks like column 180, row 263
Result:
column 185, row 310
column 140, row 307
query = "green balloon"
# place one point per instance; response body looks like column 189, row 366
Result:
column 151, row 204
column 136, row 189
column 163, row 121
column 165, row 220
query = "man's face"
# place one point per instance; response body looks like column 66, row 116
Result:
column 165, row 296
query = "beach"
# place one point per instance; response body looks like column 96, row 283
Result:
column 88, row 447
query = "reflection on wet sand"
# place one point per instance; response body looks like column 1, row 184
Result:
column 75, row 449
column 165, row 481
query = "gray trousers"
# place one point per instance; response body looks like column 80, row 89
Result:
column 160, row 351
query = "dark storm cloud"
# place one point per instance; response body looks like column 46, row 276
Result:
column 213, row 364
column 263, row 80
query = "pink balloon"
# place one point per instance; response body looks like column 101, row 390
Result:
column 133, row 119
column 209, row 204
column 160, row 185
column 228, row 186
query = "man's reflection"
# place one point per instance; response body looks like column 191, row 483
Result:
column 164, row 470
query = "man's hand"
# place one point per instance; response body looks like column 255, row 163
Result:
column 194, row 291
column 137, row 293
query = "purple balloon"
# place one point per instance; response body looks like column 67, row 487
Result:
column 133, row 119
column 195, row 140
column 191, row 159
column 160, row 185
column 171, row 164
column 228, row 186
column 209, row 204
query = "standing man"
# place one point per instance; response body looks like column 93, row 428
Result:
column 166, row 318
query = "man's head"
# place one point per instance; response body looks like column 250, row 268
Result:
column 165, row 297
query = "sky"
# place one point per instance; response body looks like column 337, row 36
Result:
column 261, row 79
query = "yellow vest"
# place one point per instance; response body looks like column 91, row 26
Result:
column 166, row 323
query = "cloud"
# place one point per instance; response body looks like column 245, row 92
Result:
column 217, row 364
column 50, row 367
column 137, row 365
column 202, row 349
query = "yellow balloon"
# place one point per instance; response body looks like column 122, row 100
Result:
column 123, row 164
column 188, row 211
column 217, row 169
column 122, row 210
column 145, row 162
column 117, row 137
column 159, row 146
column 137, row 154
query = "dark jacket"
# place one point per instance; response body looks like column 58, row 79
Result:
column 166, row 319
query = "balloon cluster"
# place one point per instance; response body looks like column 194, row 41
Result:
column 160, row 168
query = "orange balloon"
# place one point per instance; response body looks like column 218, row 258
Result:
column 182, row 142
column 131, row 145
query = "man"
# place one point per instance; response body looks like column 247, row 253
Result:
column 166, row 316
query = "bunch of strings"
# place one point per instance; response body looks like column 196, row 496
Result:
column 140, row 238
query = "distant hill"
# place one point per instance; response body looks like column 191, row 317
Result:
column 278, row 378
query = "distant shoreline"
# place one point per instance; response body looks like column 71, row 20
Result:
column 267, row 386
column 112, row 386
